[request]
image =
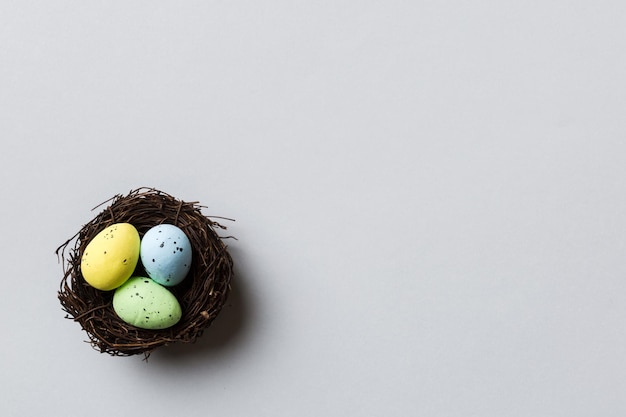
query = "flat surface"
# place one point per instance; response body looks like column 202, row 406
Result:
column 429, row 200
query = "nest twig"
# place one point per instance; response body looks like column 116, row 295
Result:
column 201, row 294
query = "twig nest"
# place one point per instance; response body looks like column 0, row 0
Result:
column 201, row 294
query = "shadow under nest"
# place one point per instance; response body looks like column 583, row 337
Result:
column 201, row 294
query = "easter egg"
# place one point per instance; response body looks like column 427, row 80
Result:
column 166, row 254
column 111, row 256
column 143, row 303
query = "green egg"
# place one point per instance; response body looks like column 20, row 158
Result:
column 143, row 303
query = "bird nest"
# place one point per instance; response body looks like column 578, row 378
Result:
column 201, row 294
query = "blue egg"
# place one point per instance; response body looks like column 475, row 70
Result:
column 166, row 254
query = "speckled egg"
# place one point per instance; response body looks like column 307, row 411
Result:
column 109, row 259
column 166, row 254
column 143, row 303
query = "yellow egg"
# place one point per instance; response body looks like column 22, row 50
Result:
column 111, row 256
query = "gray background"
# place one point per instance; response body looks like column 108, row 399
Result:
column 429, row 200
